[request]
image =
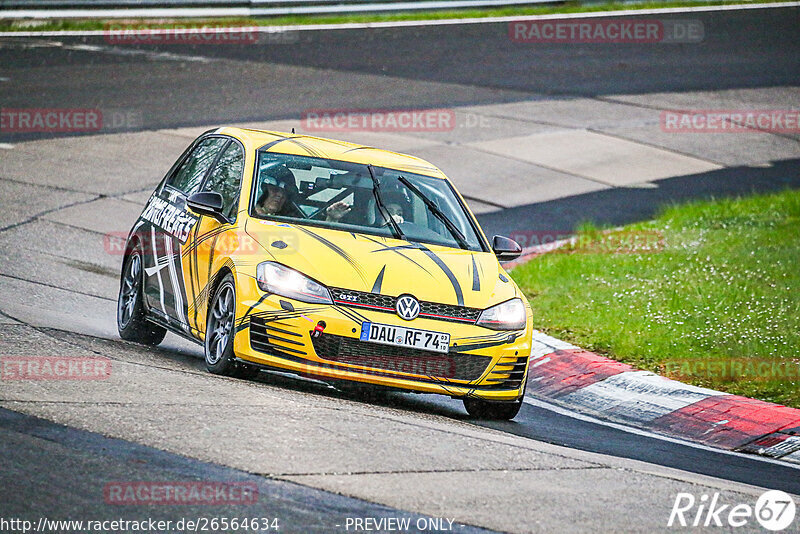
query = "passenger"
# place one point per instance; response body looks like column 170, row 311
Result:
column 277, row 186
column 272, row 201
column 336, row 212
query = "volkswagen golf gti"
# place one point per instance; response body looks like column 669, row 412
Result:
column 329, row 259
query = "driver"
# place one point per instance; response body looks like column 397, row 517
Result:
column 397, row 206
column 395, row 210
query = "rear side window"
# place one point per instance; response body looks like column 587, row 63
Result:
column 226, row 178
column 190, row 174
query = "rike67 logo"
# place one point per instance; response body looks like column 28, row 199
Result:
column 774, row 510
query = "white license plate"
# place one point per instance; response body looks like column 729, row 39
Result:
column 401, row 336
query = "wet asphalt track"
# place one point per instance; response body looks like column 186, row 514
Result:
column 418, row 67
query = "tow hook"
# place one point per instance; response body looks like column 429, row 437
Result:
column 318, row 329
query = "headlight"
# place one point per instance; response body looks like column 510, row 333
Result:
column 510, row 315
column 276, row 278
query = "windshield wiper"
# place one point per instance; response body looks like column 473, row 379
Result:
column 452, row 228
column 376, row 190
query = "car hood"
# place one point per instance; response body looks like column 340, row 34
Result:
column 388, row 266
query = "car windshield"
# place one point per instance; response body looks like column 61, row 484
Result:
column 342, row 195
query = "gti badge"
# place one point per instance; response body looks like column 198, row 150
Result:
column 407, row 307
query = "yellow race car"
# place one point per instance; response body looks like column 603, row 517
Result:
column 329, row 259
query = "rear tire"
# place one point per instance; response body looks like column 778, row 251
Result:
column 132, row 323
column 498, row 411
column 220, row 333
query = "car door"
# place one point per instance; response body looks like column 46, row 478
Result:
column 211, row 239
column 171, row 224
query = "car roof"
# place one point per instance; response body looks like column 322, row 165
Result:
column 320, row 147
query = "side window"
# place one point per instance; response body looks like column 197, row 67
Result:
column 226, row 178
column 190, row 174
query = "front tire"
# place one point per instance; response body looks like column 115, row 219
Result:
column 132, row 323
column 220, row 333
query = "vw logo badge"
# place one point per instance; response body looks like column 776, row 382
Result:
column 407, row 307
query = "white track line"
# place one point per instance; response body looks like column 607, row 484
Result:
column 639, row 432
column 118, row 51
column 637, row 396
column 418, row 23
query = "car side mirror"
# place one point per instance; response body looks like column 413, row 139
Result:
column 505, row 249
column 207, row 203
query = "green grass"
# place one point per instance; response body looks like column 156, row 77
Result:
column 721, row 287
column 567, row 7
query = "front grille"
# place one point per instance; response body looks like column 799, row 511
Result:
column 385, row 303
column 352, row 351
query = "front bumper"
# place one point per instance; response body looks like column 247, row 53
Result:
column 278, row 332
